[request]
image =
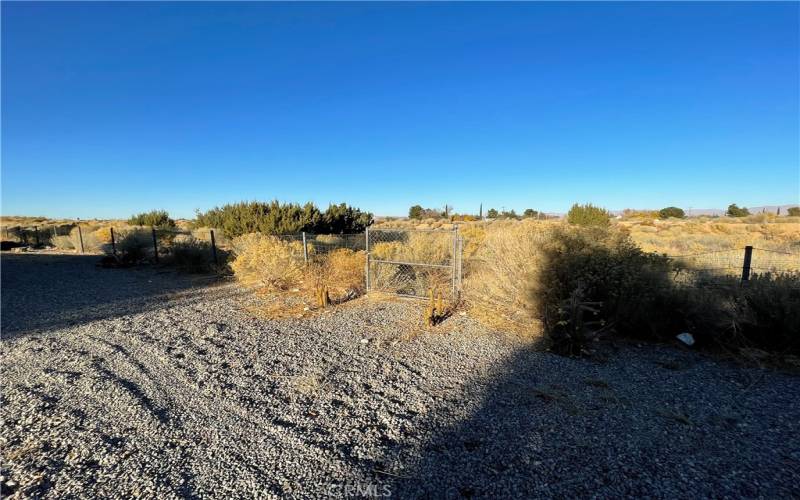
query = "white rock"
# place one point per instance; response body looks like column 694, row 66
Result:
column 686, row 338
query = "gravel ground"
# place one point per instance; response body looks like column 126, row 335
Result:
column 145, row 383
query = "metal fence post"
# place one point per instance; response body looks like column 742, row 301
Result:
column 155, row 244
column 213, row 247
column 748, row 257
column 366, row 247
column 455, row 257
column 113, row 243
column 305, row 248
column 80, row 237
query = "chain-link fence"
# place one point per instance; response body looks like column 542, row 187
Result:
column 413, row 262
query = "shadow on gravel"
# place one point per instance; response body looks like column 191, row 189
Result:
column 547, row 426
column 43, row 292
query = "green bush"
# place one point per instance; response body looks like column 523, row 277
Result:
column 492, row 213
column 588, row 215
column 415, row 212
column 283, row 218
column 155, row 218
column 595, row 279
column 794, row 211
column 530, row 213
column 666, row 213
column 192, row 255
column 735, row 211
column 134, row 246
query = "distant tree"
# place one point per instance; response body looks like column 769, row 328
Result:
column 508, row 214
column 447, row 209
column 529, row 213
column 156, row 218
column 794, row 211
column 735, row 211
column 415, row 212
column 666, row 213
column 588, row 215
column 492, row 213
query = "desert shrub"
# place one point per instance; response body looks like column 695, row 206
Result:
column 503, row 267
column 596, row 279
column 155, row 218
column 342, row 271
column 492, row 213
column 90, row 242
column 192, row 255
column 134, row 245
column 268, row 262
column 283, row 218
column 793, row 212
column 666, row 213
column 63, row 242
column 736, row 211
column 588, row 215
column 767, row 312
column 415, row 212
column 630, row 213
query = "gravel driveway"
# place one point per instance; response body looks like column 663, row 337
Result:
column 151, row 384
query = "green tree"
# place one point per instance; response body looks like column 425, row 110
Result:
column 666, row 213
column 274, row 217
column 508, row 214
column 415, row 212
column 735, row 211
column 156, row 218
column 588, row 215
column 529, row 212
column 794, row 211
column 492, row 213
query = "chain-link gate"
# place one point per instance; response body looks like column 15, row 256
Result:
column 412, row 262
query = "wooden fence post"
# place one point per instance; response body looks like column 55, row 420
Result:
column 155, row 244
column 113, row 243
column 305, row 248
column 213, row 247
column 748, row 257
column 80, row 237
column 36, row 231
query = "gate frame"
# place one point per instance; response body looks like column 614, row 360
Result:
column 455, row 265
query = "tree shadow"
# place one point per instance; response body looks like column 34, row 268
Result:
column 44, row 292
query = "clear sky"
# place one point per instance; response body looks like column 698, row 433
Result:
column 109, row 109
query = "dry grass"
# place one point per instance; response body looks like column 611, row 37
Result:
column 342, row 271
column 497, row 288
column 267, row 262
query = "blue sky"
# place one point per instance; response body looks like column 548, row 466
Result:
column 110, row 109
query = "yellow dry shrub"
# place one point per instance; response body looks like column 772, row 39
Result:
column 268, row 262
column 103, row 234
column 497, row 288
column 342, row 271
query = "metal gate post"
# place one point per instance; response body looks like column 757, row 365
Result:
column 455, row 256
column 366, row 246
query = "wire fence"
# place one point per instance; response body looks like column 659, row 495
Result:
column 722, row 267
column 414, row 262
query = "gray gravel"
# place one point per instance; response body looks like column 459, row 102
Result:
column 147, row 383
